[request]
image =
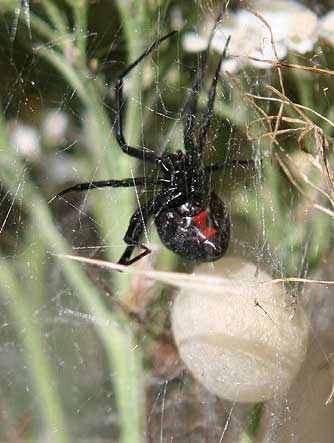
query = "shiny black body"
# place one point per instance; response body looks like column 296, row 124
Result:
column 191, row 220
column 181, row 234
column 194, row 222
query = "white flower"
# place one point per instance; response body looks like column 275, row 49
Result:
column 54, row 127
column 293, row 26
column 327, row 26
column 25, row 139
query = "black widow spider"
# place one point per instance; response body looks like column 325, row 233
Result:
column 190, row 219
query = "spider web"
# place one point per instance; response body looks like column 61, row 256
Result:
column 88, row 354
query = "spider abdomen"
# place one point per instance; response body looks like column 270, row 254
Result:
column 201, row 236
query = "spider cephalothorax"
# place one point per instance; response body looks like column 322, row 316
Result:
column 191, row 220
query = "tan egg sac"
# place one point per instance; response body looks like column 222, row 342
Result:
column 244, row 342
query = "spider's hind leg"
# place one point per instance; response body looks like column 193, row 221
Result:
column 125, row 259
column 134, row 233
column 138, row 221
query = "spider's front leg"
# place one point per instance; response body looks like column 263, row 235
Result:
column 195, row 90
column 133, row 152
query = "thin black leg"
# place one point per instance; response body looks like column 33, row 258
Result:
column 139, row 220
column 227, row 163
column 127, row 261
column 135, row 231
column 189, row 143
column 125, row 183
column 211, row 101
column 134, row 152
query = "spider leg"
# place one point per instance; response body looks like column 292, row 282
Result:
column 227, row 163
column 125, row 183
column 134, row 233
column 195, row 90
column 192, row 112
column 138, row 221
column 211, row 101
column 133, row 152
